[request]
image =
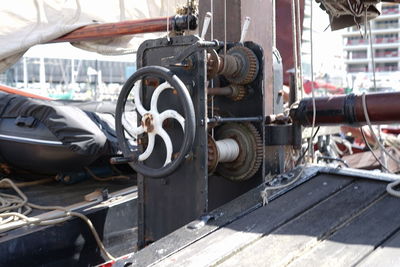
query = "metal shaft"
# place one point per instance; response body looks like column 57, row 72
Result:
column 225, row 91
column 383, row 108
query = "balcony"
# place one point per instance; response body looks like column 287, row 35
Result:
column 357, row 69
column 386, row 54
column 358, row 56
column 387, row 69
column 387, row 40
column 357, row 42
column 386, row 26
column 390, row 11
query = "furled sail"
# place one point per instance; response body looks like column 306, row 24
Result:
column 26, row 23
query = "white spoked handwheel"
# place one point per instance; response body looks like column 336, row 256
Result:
column 152, row 121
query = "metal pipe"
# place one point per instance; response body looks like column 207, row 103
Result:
column 292, row 89
column 108, row 30
column 224, row 91
column 218, row 119
column 383, row 108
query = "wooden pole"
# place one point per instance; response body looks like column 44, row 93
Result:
column 110, row 30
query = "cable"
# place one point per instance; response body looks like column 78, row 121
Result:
column 166, row 10
column 10, row 219
column 299, row 37
column 112, row 178
column 372, row 151
column 390, row 187
column 305, row 152
column 212, row 80
column 264, row 193
column 30, row 183
column 310, row 150
column 225, row 32
column 274, row 23
column 365, row 109
column 374, row 79
column 294, row 37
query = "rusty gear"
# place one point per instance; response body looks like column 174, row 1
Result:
column 239, row 92
column 247, row 65
column 251, row 151
column 213, row 64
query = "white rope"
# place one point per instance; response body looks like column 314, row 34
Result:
column 390, row 188
column 310, row 145
column 372, row 151
column 295, row 47
column 299, row 35
column 212, row 80
column 264, row 193
column 274, row 23
column 374, row 80
column 295, row 22
column 11, row 216
column 166, row 10
column 365, row 109
column 225, row 32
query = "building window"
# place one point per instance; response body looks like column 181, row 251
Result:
column 356, row 40
column 390, row 9
column 389, row 52
column 357, row 68
column 386, row 24
column 386, row 38
column 357, row 54
column 387, row 67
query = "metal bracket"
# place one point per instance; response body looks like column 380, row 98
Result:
column 280, row 135
column 179, row 60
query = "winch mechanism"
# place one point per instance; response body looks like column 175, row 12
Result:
column 192, row 116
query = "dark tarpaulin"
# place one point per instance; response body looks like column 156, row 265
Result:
column 69, row 124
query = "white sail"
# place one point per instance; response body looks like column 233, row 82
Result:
column 25, row 23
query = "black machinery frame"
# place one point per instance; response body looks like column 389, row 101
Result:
column 166, row 203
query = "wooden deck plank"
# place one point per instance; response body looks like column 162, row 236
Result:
column 304, row 232
column 246, row 230
column 359, row 238
column 388, row 254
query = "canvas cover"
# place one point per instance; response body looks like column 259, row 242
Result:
column 25, row 23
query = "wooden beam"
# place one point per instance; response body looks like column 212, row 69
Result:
column 110, row 30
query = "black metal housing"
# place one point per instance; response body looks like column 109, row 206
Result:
column 166, row 204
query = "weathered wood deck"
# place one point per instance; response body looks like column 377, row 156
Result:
column 330, row 220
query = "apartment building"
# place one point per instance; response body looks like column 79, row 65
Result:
column 386, row 43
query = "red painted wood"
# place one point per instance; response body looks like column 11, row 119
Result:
column 10, row 90
column 108, row 30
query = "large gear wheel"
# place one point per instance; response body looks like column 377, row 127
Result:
column 247, row 63
column 239, row 92
column 251, row 148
